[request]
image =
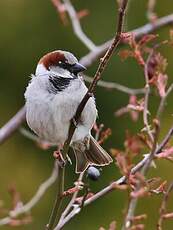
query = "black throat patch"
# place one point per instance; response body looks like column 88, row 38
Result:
column 58, row 83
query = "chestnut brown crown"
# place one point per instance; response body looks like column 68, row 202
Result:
column 62, row 59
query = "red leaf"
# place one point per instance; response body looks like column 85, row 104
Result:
column 124, row 54
column 161, row 84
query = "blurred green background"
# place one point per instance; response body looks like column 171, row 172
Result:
column 29, row 29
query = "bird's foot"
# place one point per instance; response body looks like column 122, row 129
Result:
column 58, row 156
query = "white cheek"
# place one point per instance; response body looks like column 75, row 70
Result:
column 41, row 70
column 60, row 71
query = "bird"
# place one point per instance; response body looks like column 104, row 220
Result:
column 52, row 97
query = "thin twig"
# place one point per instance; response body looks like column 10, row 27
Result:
column 72, row 201
column 35, row 199
column 163, row 206
column 77, row 26
column 131, row 209
column 163, row 102
column 59, row 6
column 59, row 198
column 154, row 148
column 113, row 85
column 146, row 99
column 150, row 11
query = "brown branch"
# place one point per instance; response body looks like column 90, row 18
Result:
column 114, row 85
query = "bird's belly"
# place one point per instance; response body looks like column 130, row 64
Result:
column 46, row 123
column 49, row 115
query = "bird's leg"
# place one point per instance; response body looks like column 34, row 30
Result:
column 58, row 156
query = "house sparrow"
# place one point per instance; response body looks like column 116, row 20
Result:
column 52, row 98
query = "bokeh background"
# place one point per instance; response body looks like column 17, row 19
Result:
column 29, row 29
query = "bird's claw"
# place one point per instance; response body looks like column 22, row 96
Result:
column 58, row 156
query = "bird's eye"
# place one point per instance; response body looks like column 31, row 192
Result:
column 59, row 62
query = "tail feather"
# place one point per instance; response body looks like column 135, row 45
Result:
column 82, row 162
column 94, row 155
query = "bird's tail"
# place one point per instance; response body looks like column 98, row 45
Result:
column 93, row 154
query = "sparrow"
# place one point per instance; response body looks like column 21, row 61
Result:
column 52, row 98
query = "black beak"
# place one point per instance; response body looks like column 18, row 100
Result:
column 77, row 68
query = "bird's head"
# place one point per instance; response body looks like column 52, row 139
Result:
column 61, row 63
